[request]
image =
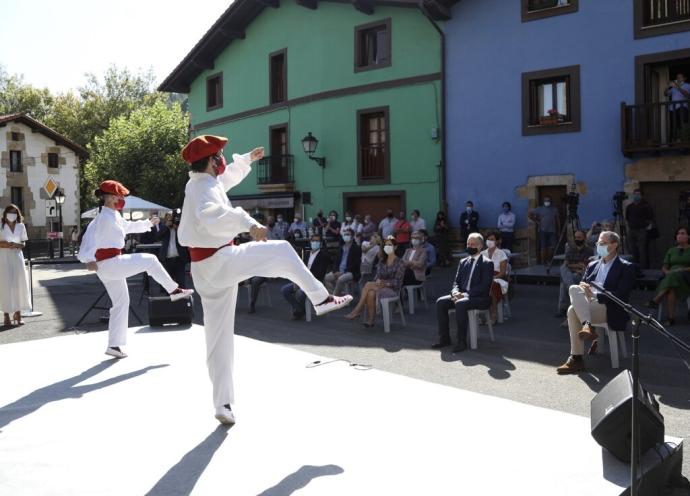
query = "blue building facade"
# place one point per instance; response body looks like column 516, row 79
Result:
column 509, row 63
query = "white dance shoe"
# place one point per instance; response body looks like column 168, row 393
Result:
column 180, row 293
column 116, row 352
column 333, row 303
column 224, row 415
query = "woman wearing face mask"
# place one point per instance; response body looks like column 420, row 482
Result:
column 499, row 286
column 414, row 261
column 387, row 283
column 101, row 251
column 442, row 239
column 676, row 282
column 14, row 288
column 506, row 224
column 331, row 232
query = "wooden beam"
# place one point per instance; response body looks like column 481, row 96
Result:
column 308, row 4
column 364, row 6
column 203, row 64
column 269, row 3
column 232, row 34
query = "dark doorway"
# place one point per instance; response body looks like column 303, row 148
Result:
column 664, row 199
column 374, row 204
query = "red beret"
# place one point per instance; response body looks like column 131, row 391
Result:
column 112, row 188
column 202, row 146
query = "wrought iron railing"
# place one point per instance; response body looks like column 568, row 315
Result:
column 276, row 169
column 655, row 126
column 656, row 12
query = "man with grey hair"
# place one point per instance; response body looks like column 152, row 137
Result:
column 470, row 291
column 589, row 307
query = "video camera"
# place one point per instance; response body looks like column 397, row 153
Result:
column 571, row 201
column 176, row 216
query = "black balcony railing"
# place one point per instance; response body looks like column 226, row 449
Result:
column 276, row 169
column 655, row 127
column 658, row 12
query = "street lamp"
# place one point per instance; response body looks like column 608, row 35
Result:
column 309, row 143
column 60, row 199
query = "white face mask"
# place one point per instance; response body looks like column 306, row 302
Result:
column 416, row 242
column 347, row 238
column 388, row 249
column 12, row 217
column 547, row 203
column 490, row 243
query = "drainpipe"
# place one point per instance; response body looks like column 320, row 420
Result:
column 442, row 168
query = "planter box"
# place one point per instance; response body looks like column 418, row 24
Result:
column 549, row 120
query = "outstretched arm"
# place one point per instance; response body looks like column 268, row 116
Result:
column 240, row 168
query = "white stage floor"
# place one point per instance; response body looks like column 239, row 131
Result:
column 73, row 422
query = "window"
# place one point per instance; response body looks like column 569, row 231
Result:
column 657, row 17
column 551, row 101
column 373, row 139
column 539, row 9
column 373, row 45
column 15, row 137
column 214, row 91
column 53, row 160
column 15, row 161
column 17, row 196
column 278, row 75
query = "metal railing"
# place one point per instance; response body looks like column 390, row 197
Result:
column 276, row 169
column 657, row 12
column 655, row 127
column 373, row 161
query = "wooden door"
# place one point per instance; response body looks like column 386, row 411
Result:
column 374, row 205
column 664, row 199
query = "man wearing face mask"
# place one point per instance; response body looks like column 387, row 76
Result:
column 387, row 225
column 331, row 232
column 588, row 307
column 577, row 257
column 548, row 224
column 297, row 232
column 346, row 267
column 470, row 291
column 101, row 251
column 415, row 261
column 317, row 262
column 280, row 229
column 469, row 221
column 506, row 224
column 208, row 226
column 640, row 218
column 172, row 254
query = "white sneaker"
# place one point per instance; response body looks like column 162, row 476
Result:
column 333, row 303
column 115, row 353
column 180, row 293
column 224, row 415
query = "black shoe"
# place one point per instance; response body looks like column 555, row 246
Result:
column 461, row 346
column 441, row 344
column 252, row 309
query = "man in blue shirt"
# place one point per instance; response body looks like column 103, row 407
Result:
column 430, row 251
column 678, row 90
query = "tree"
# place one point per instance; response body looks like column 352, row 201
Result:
column 17, row 96
column 142, row 151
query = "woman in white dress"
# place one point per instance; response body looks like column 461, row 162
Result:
column 14, row 287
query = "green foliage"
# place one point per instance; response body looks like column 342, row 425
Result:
column 142, row 151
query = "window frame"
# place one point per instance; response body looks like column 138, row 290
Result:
column 572, row 72
column 641, row 31
column 386, row 179
column 271, row 100
column 219, row 103
column 534, row 15
column 21, row 163
column 389, row 38
column 15, row 136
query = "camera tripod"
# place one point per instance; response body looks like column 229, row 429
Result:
column 572, row 221
column 620, row 227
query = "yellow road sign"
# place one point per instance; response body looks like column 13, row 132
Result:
column 50, row 186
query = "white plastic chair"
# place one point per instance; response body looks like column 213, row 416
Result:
column 615, row 340
column 473, row 327
column 411, row 291
column 384, row 305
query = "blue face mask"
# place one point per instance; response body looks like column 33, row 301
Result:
column 347, row 238
column 315, row 245
column 602, row 250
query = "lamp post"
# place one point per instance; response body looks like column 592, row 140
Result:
column 60, row 199
column 309, row 143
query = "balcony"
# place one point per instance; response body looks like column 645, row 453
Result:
column 660, row 12
column 653, row 127
column 275, row 173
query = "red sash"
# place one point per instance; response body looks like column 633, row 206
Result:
column 199, row 254
column 106, row 253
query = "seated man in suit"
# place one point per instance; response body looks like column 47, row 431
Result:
column 318, row 261
column 470, row 291
column 347, row 266
column 172, row 255
column 588, row 307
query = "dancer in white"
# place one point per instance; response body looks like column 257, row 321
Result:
column 101, row 250
column 14, row 288
column 208, row 224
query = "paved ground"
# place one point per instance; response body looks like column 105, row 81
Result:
column 519, row 365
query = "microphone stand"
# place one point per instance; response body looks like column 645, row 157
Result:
column 637, row 318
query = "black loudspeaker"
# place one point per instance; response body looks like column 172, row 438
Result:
column 162, row 311
column 611, row 418
column 306, row 198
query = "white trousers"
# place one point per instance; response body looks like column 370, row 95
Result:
column 113, row 273
column 216, row 279
column 582, row 309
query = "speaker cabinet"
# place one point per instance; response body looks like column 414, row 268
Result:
column 611, row 417
column 162, row 311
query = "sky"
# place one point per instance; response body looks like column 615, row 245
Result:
column 53, row 43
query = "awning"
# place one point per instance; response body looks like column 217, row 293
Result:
column 133, row 204
column 266, row 200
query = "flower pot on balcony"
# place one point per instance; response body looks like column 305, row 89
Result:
column 549, row 120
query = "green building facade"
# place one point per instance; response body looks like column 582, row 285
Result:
column 365, row 79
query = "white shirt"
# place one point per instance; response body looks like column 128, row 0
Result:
column 417, row 225
column 312, row 257
column 172, row 244
column 18, row 236
column 386, row 227
column 354, row 225
column 208, row 218
column 602, row 273
column 108, row 230
column 506, row 222
column 498, row 257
